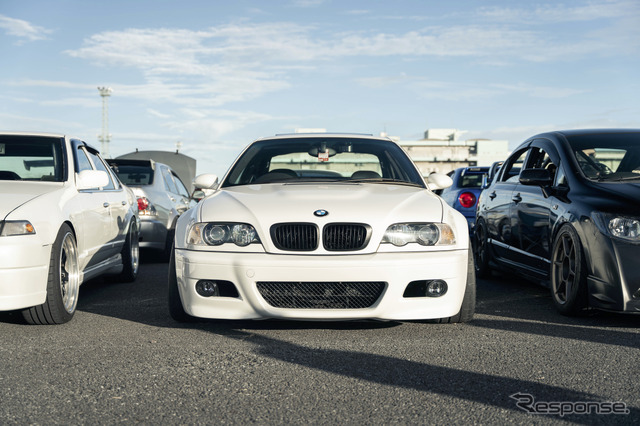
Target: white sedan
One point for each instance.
(64, 218)
(322, 227)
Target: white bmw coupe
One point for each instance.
(64, 218)
(322, 227)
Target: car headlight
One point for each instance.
(16, 227)
(623, 227)
(426, 234)
(215, 234)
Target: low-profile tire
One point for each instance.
(568, 273)
(468, 307)
(175, 302)
(481, 252)
(130, 254)
(63, 283)
(168, 244)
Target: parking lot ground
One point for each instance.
(122, 359)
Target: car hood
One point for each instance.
(623, 196)
(265, 205)
(14, 194)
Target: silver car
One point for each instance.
(162, 197)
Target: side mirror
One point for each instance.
(206, 181)
(91, 179)
(437, 181)
(536, 177)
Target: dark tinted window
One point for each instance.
(135, 175)
(31, 158)
(472, 180)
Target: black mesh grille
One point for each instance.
(345, 236)
(321, 295)
(295, 236)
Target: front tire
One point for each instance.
(175, 302)
(63, 283)
(568, 272)
(468, 307)
(481, 250)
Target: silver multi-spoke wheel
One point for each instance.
(69, 275)
(63, 282)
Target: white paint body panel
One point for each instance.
(100, 231)
(378, 205)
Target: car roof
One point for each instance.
(22, 133)
(575, 132)
(324, 136)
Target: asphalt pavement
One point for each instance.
(123, 360)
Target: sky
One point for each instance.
(215, 75)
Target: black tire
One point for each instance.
(175, 302)
(568, 273)
(130, 254)
(63, 283)
(481, 252)
(468, 307)
(168, 244)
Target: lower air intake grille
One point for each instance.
(321, 295)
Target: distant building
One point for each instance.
(441, 151)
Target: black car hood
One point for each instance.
(615, 197)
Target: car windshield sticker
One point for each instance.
(323, 156)
(1, 149)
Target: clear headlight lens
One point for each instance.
(623, 227)
(16, 227)
(426, 234)
(215, 234)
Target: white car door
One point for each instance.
(93, 217)
(116, 203)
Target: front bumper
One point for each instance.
(614, 283)
(24, 269)
(244, 270)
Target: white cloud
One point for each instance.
(561, 12)
(23, 30)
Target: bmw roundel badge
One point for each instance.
(320, 213)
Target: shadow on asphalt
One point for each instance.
(502, 305)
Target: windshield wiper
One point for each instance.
(628, 178)
(384, 180)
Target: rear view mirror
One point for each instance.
(536, 177)
(438, 181)
(206, 181)
(92, 179)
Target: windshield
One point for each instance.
(34, 158)
(323, 159)
(608, 156)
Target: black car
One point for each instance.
(564, 209)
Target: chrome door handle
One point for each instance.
(493, 195)
(105, 204)
(517, 198)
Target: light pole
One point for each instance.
(105, 137)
